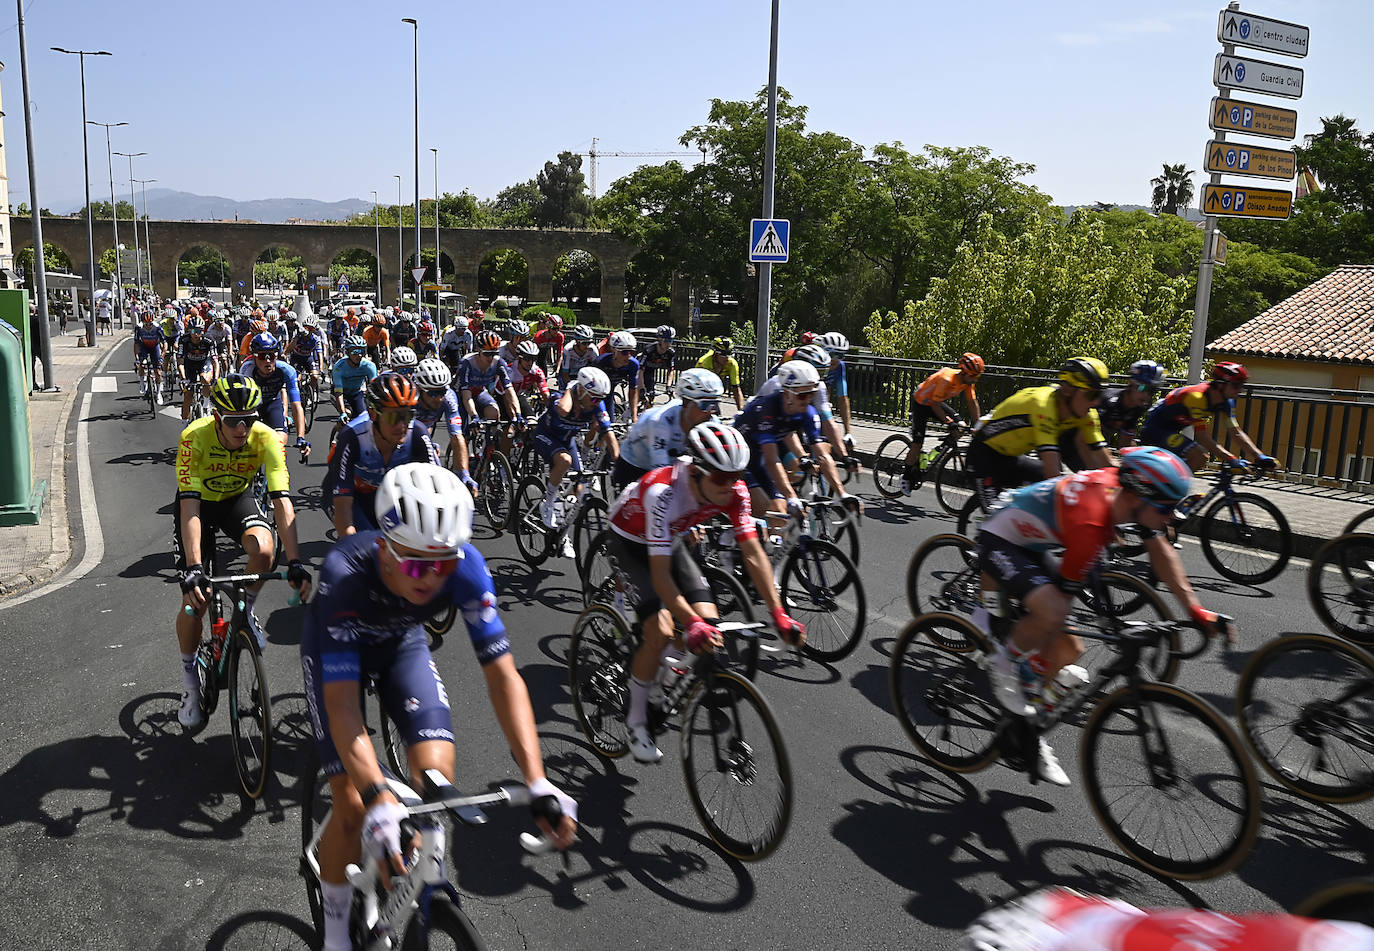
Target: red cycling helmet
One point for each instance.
(806, 338)
(1228, 372)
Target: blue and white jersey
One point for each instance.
(763, 422)
(836, 380)
(494, 379)
(656, 439)
(821, 400)
(447, 410)
(149, 337)
(629, 373)
(282, 378)
(562, 429)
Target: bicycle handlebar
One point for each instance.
(442, 796)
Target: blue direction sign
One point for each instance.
(769, 240)
(240, 283)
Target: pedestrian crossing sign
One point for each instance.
(768, 240)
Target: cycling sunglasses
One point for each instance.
(266, 356)
(708, 406)
(233, 421)
(718, 478)
(437, 391)
(417, 568)
(395, 417)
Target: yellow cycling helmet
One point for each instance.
(1086, 373)
(233, 393)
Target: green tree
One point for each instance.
(1343, 159)
(1171, 190)
(1056, 290)
(514, 206)
(101, 209)
(563, 200)
(462, 210)
(503, 273)
(54, 259)
(576, 277)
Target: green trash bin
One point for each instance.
(21, 500)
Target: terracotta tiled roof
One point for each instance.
(1331, 321)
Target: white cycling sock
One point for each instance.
(550, 493)
(188, 671)
(338, 900)
(639, 703)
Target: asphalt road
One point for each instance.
(117, 831)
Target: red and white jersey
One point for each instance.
(660, 506)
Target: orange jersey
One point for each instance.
(941, 387)
(375, 336)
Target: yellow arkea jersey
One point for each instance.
(730, 375)
(1029, 420)
(208, 471)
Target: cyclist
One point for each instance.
(660, 434)
(376, 591)
(528, 380)
(456, 343)
(577, 354)
(280, 390)
(551, 342)
(1195, 406)
(778, 418)
(621, 366)
(658, 357)
(482, 373)
(148, 341)
(339, 328)
(930, 400)
(1032, 420)
(837, 382)
(663, 581)
(1121, 410)
(423, 344)
(438, 402)
(378, 340)
(516, 331)
(403, 360)
(403, 329)
(719, 361)
(1079, 513)
(815, 355)
(219, 334)
(386, 436)
(350, 375)
(172, 327)
(197, 361)
(555, 436)
(305, 352)
(217, 458)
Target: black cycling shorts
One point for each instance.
(1005, 472)
(636, 579)
(1018, 571)
(230, 517)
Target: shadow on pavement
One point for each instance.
(262, 929)
(1304, 845)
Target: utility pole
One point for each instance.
(769, 169)
(39, 264)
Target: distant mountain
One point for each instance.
(166, 204)
(1190, 213)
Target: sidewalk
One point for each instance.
(32, 554)
(1315, 513)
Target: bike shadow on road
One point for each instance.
(678, 864)
(263, 929)
(970, 858)
(517, 580)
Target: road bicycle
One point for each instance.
(1340, 586)
(229, 658)
(947, 469)
(200, 406)
(310, 398)
(944, 574)
(581, 517)
(421, 908)
(734, 760)
(1306, 709)
(1350, 899)
(1165, 774)
(491, 470)
(147, 390)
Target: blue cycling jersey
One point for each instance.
(835, 379)
(149, 337)
(629, 373)
(272, 385)
(655, 438)
(494, 379)
(349, 379)
(763, 421)
(560, 429)
(447, 410)
(353, 610)
(356, 465)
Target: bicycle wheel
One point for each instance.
(527, 524)
(941, 695)
(393, 743)
(309, 402)
(970, 517)
(1105, 607)
(889, 462)
(953, 481)
(1350, 899)
(317, 799)
(593, 518)
(440, 624)
(498, 491)
(448, 927)
(599, 658)
(822, 589)
(738, 774)
(734, 604)
(1360, 523)
(943, 576)
(250, 713)
(1246, 538)
(1340, 586)
(1306, 709)
(1170, 782)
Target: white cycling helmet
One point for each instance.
(403, 357)
(517, 328)
(818, 357)
(834, 342)
(432, 373)
(425, 507)
(527, 348)
(624, 340)
(461, 324)
(581, 333)
(699, 383)
(719, 446)
(798, 375)
(594, 381)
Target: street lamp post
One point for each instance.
(438, 270)
(133, 203)
(147, 236)
(415, 59)
(377, 233)
(770, 149)
(86, 164)
(40, 265)
(114, 214)
(400, 254)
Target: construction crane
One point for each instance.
(594, 155)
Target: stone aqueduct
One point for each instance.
(317, 245)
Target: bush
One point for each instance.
(661, 305)
(536, 312)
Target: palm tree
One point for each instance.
(1172, 190)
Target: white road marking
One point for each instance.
(104, 384)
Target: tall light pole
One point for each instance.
(147, 237)
(415, 24)
(114, 213)
(40, 265)
(400, 254)
(377, 233)
(769, 169)
(86, 164)
(438, 271)
(133, 203)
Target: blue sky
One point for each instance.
(300, 98)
